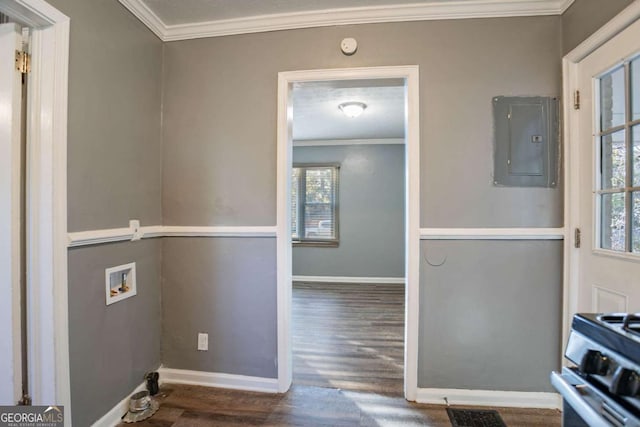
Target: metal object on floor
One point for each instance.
(474, 418)
(141, 407)
(152, 382)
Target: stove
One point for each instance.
(602, 387)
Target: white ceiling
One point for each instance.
(175, 12)
(316, 115)
(187, 19)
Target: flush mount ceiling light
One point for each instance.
(352, 109)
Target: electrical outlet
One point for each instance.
(203, 342)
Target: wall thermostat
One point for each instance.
(349, 46)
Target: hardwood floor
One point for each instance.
(349, 336)
(348, 362)
(195, 406)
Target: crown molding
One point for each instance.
(565, 5)
(345, 16)
(141, 11)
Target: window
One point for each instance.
(618, 186)
(314, 204)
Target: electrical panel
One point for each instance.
(526, 148)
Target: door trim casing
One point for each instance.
(47, 198)
(412, 214)
(11, 170)
(571, 133)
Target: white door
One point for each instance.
(10, 176)
(609, 170)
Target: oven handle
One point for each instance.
(628, 319)
(571, 396)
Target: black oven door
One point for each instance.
(585, 405)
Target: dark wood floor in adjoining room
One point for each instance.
(348, 363)
(349, 336)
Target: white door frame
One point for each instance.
(10, 242)
(572, 137)
(48, 326)
(412, 212)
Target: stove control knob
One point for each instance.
(625, 382)
(594, 363)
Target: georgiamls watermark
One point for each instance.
(31, 416)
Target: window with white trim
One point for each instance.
(618, 153)
(314, 204)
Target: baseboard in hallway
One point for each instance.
(219, 380)
(349, 279)
(115, 414)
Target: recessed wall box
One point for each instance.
(120, 282)
(526, 148)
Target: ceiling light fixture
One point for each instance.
(352, 109)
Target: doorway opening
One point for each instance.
(347, 209)
(320, 226)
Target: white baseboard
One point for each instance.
(214, 379)
(349, 279)
(517, 399)
(114, 416)
(332, 142)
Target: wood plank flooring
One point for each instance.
(305, 406)
(348, 362)
(349, 336)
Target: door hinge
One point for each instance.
(23, 62)
(576, 238)
(576, 100)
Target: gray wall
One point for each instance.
(114, 155)
(220, 160)
(214, 156)
(219, 168)
(490, 315)
(111, 347)
(585, 17)
(371, 213)
(225, 287)
(114, 174)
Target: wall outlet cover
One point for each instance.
(203, 341)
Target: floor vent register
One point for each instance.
(475, 418)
